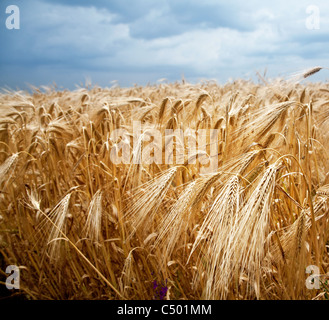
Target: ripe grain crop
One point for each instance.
(81, 226)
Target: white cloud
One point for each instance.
(201, 39)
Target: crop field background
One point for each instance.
(80, 226)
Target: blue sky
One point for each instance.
(142, 41)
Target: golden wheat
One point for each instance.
(87, 227)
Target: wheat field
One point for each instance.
(81, 226)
